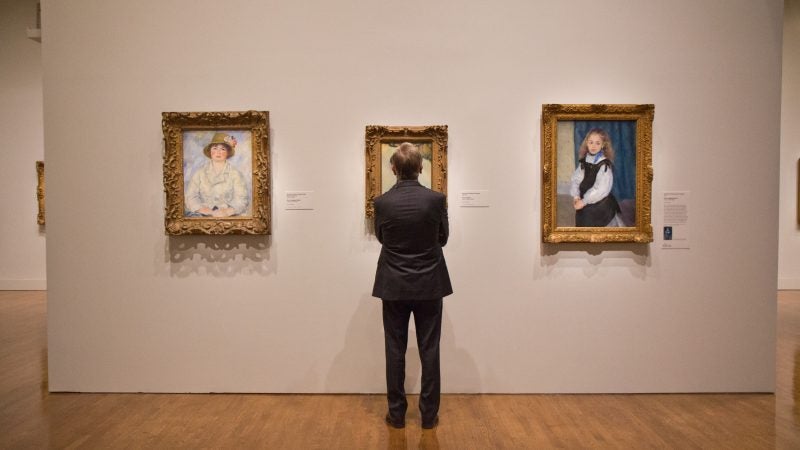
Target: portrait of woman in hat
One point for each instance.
(215, 188)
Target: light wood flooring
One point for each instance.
(30, 417)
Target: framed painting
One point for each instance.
(40, 191)
(597, 173)
(381, 142)
(216, 172)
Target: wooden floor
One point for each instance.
(30, 417)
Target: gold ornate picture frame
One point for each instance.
(217, 172)
(380, 144)
(40, 192)
(597, 173)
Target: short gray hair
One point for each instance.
(407, 161)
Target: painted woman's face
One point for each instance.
(594, 143)
(218, 153)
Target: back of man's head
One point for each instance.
(407, 161)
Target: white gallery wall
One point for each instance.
(22, 241)
(130, 309)
(789, 234)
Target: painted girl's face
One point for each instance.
(594, 143)
(218, 153)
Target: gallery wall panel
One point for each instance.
(131, 309)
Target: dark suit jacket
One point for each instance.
(411, 223)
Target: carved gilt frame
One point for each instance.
(174, 125)
(40, 191)
(642, 230)
(378, 134)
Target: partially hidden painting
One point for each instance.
(381, 142)
(40, 192)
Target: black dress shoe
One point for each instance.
(395, 423)
(428, 424)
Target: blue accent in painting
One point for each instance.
(623, 139)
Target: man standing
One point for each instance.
(412, 277)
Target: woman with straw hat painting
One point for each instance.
(217, 189)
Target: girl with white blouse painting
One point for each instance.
(595, 205)
(217, 189)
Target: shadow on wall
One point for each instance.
(459, 371)
(592, 257)
(229, 255)
(360, 366)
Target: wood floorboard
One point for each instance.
(30, 417)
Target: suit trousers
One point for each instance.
(428, 322)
